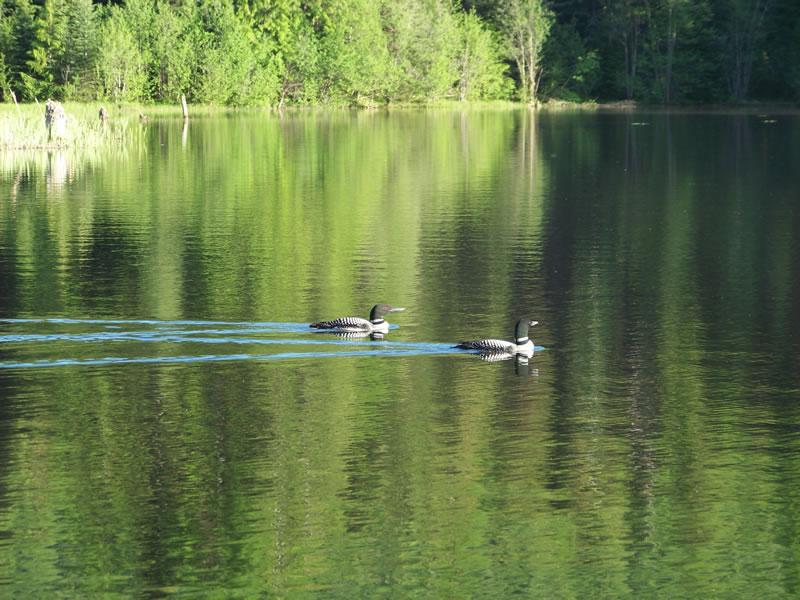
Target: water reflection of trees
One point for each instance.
(619, 462)
(666, 268)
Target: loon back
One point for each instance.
(354, 324)
(489, 346)
(376, 322)
(522, 344)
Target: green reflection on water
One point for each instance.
(653, 452)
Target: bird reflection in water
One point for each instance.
(522, 363)
(375, 336)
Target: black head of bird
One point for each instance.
(379, 310)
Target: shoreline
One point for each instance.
(22, 126)
(155, 110)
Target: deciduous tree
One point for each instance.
(525, 25)
(481, 72)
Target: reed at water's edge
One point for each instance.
(23, 127)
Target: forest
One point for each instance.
(377, 52)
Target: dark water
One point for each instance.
(168, 424)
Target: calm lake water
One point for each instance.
(169, 424)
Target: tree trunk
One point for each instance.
(523, 77)
(672, 36)
(628, 90)
(634, 56)
(742, 44)
(464, 83)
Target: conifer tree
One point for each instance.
(19, 33)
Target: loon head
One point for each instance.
(379, 310)
(521, 332)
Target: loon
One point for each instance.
(375, 324)
(522, 344)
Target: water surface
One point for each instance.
(168, 423)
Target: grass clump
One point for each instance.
(23, 128)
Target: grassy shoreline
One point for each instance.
(22, 127)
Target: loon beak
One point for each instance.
(398, 309)
(532, 323)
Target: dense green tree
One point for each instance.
(355, 62)
(743, 33)
(690, 56)
(286, 37)
(526, 25)
(19, 35)
(625, 21)
(225, 58)
(170, 51)
(792, 52)
(776, 68)
(366, 52)
(423, 40)
(78, 56)
(3, 77)
(573, 70)
(481, 72)
(46, 74)
(122, 67)
(5, 35)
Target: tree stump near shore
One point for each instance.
(55, 119)
(103, 114)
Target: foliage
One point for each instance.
(78, 56)
(226, 61)
(481, 72)
(356, 64)
(169, 49)
(525, 25)
(367, 52)
(3, 76)
(422, 39)
(121, 65)
(573, 70)
(776, 69)
(19, 27)
(744, 32)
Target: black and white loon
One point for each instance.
(522, 344)
(375, 324)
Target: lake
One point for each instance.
(170, 425)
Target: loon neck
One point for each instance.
(378, 321)
(521, 330)
(377, 312)
(522, 341)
